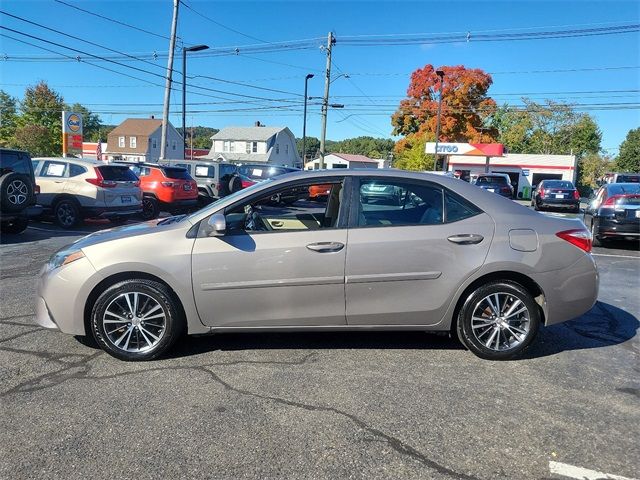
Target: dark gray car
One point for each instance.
(447, 257)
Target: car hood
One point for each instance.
(127, 231)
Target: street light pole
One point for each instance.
(440, 74)
(304, 121)
(167, 87)
(195, 48)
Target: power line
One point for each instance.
(221, 24)
(103, 17)
(248, 85)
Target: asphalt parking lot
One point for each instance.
(349, 405)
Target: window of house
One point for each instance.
(277, 148)
(173, 145)
(397, 202)
(254, 147)
(286, 148)
(226, 146)
(121, 142)
(154, 143)
(133, 141)
(247, 146)
(288, 209)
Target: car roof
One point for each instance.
(78, 161)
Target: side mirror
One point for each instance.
(218, 225)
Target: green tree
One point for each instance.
(91, 123)
(201, 136)
(8, 119)
(413, 157)
(312, 146)
(629, 157)
(514, 128)
(364, 146)
(584, 136)
(41, 107)
(591, 168)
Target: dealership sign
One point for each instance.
(476, 149)
(71, 133)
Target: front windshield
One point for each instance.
(212, 207)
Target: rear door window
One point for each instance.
(117, 173)
(54, 169)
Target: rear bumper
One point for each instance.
(609, 227)
(559, 202)
(113, 212)
(571, 292)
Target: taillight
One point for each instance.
(167, 184)
(611, 200)
(580, 238)
(506, 190)
(99, 181)
(541, 192)
(576, 195)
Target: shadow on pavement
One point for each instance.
(602, 326)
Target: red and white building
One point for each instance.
(94, 150)
(343, 160)
(467, 161)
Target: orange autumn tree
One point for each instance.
(466, 109)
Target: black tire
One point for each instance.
(235, 184)
(535, 206)
(150, 208)
(66, 213)
(596, 241)
(107, 334)
(15, 226)
(16, 192)
(475, 301)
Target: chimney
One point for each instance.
(258, 124)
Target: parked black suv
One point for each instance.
(17, 191)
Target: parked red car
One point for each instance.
(164, 188)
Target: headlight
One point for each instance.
(64, 257)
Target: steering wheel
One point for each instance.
(253, 222)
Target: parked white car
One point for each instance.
(73, 189)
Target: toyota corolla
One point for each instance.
(445, 256)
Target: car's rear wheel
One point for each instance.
(66, 213)
(17, 225)
(136, 320)
(150, 208)
(499, 320)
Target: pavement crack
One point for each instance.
(18, 335)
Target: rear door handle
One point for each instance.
(466, 238)
(326, 247)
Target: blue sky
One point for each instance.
(378, 75)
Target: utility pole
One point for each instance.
(304, 120)
(325, 102)
(440, 74)
(167, 88)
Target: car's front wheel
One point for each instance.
(499, 320)
(137, 319)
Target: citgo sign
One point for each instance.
(476, 149)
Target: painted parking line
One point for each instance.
(571, 471)
(613, 255)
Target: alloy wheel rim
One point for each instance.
(147, 209)
(500, 321)
(17, 192)
(134, 322)
(65, 214)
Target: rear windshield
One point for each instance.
(558, 184)
(117, 173)
(628, 179)
(486, 180)
(176, 172)
(206, 171)
(623, 188)
(259, 172)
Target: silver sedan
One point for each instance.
(440, 255)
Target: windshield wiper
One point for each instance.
(174, 219)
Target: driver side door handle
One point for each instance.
(466, 238)
(326, 247)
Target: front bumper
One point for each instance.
(113, 212)
(62, 294)
(29, 212)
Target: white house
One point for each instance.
(138, 140)
(257, 144)
(344, 160)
